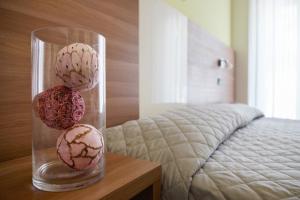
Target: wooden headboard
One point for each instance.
(117, 20)
(207, 82)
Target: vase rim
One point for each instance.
(64, 35)
(66, 28)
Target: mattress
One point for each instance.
(221, 151)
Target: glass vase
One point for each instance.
(68, 101)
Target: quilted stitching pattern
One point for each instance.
(260, 161)
(181, 140)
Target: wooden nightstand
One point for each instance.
(125, 178)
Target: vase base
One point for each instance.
(56, 177)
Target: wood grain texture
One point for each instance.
(156, 190)
(125, 177)
(203, 72)
(116, 20)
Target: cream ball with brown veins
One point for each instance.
(80, 147)
(77, 66)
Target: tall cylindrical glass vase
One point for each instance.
(68, 101)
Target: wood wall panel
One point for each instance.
(204, 51)
(116, 20)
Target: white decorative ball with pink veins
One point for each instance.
(77, 66)
(80, 147)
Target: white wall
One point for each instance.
(162, 57)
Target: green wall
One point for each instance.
(213, 15)
(239, 42)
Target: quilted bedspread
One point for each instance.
(259, 161)
(183, 141)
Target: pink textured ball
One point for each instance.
(60, 107)
(77, 66)
(80, 147)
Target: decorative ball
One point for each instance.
(60, 107)
(77, 66)
(80, 147)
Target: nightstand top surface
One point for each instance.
(124, 177)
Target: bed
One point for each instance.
(216, 151)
